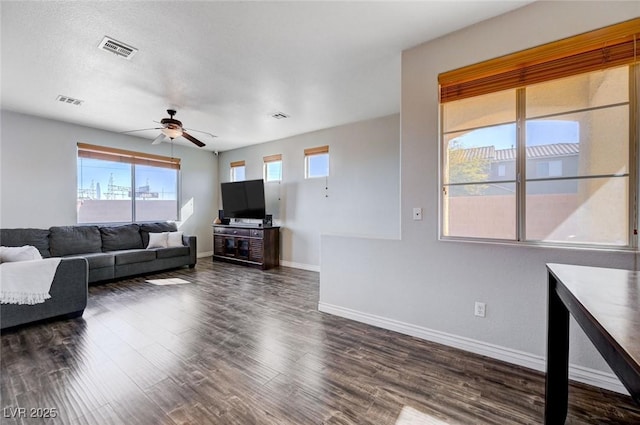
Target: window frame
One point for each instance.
(89, 151)
(270, 159)
(234, 166)
(310, 152)
(550, 52)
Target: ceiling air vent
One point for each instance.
(117, 47)
(280, 115)
(69, 100)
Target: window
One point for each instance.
(273, 168)
(548, 169)
(502, 170)
(237, 171)
(316, 162)
(542, 152)
(105, 182)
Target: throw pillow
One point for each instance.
(174, 239)
(158, 240)
(10, 254)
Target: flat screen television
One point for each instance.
(244, 199)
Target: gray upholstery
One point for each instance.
(68, 297)
(177, 251)
(69, 240)
(20, 237)
(97, 260)
(121, 237)
(111, 251)
(133, 256)
(101, 274)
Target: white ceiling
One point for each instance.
(225, 66)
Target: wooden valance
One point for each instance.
(273, 158)
(316, 151)
(608, 47)
(86, 150)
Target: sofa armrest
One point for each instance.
(191, 242)
(68, 292)
(70, 283)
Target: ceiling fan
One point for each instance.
(172, 128)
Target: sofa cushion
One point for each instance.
(146, 228)
(172, 252)
(97, 260)
(20, 237)
(115, 238)
(68, 240)
(134, 256)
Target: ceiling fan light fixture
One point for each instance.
(172, 133)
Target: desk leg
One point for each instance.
(557, 380)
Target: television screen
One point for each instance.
(244, 199)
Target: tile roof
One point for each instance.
(540, 151)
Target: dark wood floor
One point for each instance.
(243, 346)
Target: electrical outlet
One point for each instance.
(417, 213)
(480, 309)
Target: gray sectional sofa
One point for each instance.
(92, 254)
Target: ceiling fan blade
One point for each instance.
(200, 131)
(142, 129)
(192, 139)
(158, 139)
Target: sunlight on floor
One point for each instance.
(410, 416)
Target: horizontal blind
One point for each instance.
(316, 151)
(608, 47)
(237, 164)
(273, 158)
(86, 150)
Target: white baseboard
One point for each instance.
(204, 254)
(577, 373)
(302, 266)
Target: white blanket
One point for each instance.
(27, 282)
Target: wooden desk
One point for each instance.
(606, 304)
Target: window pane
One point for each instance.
(480, 211)
(317, 165)
(582, 91)
(587, 143)
(479, 155)
(579, 211)
(273, 171)
(489, 109)
(156, 193)
(104, 191)
(237, 174)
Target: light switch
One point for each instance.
(417, 213)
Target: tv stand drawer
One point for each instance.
(233, 231)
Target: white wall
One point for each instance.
(363, 192)
(38, 174)
(425, 287)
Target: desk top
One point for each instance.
(608, 297)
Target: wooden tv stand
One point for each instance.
(250, 246)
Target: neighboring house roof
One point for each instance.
(541, 151)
